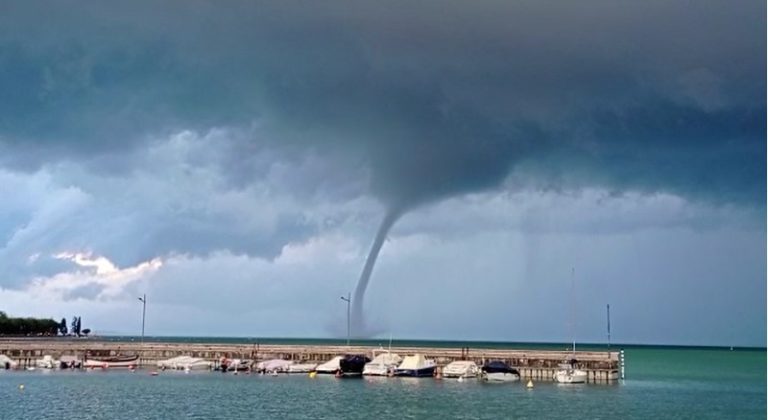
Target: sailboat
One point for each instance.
(568, 373)
(384, 362)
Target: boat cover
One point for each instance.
(387, 359)
(498, 366)
(274, 364)
(415, 362)
(330, 366)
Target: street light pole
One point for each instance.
(347, 299)
(143, 315)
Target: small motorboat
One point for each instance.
(234, 365)
(498, 371)
(461, 369)
(7, 363)
(185, 363)
(302, 367)
(47, 362)
(416, 366)
(112, 362)
(70, 362)
(274, 366)
(353, 364)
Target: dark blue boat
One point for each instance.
(498, 366)
(416, 366)
(353, 364)
(498, 371)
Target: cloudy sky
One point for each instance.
(537, 160)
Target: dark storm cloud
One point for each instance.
(439, 98)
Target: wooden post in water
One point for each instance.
(621, 363)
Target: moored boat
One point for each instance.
(234, 365)
(416, 366)
(353, 364)
(112, 362)
(185, 363)
(330, 367)
(382, 364)
(461, 369)
(7, 363)
(47, 362)
(274, 366)
(498, 371)
(568, 373)
(69, 362)
(302, 367)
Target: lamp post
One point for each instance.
(143, 300)
(347, 299)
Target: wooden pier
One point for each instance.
(538, 365)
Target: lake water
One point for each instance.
(661, 383)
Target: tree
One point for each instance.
(27, 326)
(76, 326)
(63, 326)
(86, 331)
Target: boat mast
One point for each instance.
(608, 314)
(573, 310)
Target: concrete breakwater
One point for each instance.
(601, 366)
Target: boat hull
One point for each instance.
(375, 369)
(302, 368)
(112, 362)
(353, 365)
(416, 373)
(576, 376)
(501, 377)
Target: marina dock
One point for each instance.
(538, 365)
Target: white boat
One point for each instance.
(331, 366)
(382, 364)
(302, 367)
(461, 369)
(416, 366)
(47, 362)
(498, 371)
(112, 362)
(569, 374)
(185, 363)
(7, 363)
(274, 365)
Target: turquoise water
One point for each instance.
(661, 383)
